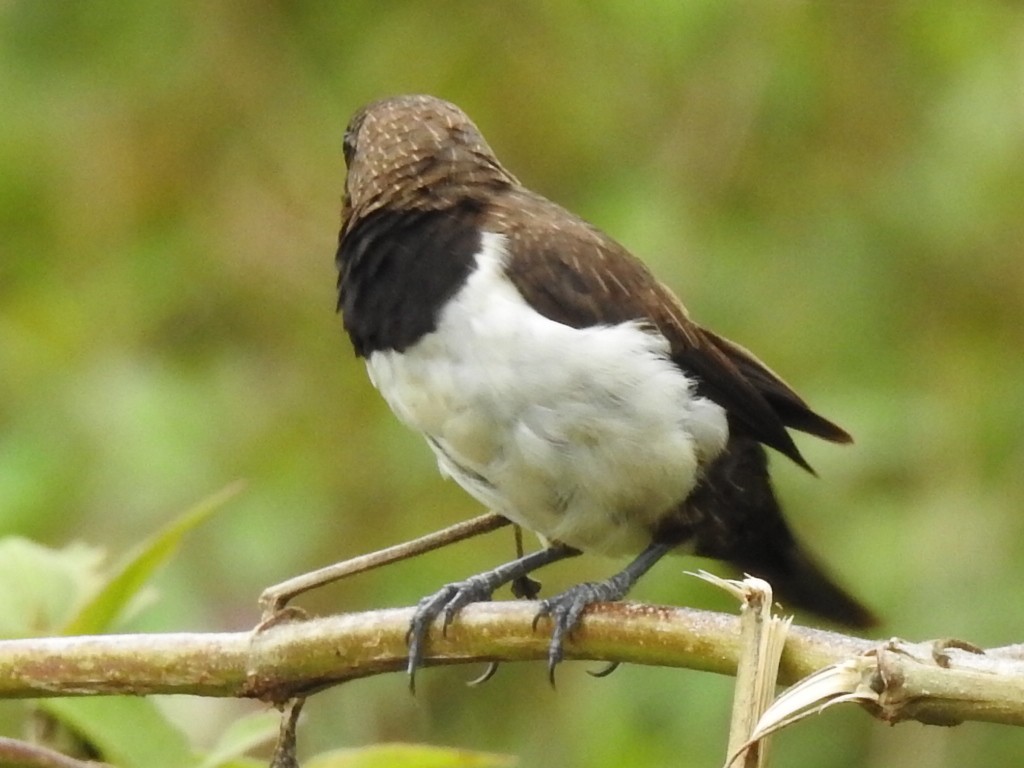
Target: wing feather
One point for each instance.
(572, 273)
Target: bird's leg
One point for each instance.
(452, 597)
(566, 609)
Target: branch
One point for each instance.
(299, 658)
(275, 598)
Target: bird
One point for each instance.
(556, 379)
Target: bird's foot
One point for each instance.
(446, 602)
(453, 597)
(566, 609)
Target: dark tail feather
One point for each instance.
(799, 582)
(733, 515)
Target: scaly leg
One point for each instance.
(567, 608)
(452, 597)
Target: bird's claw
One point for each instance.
(604, 671)
(446, 602)
(565, 611)
(488, 673)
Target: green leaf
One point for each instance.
(127, 732)
(124, 585)
(409, 756)
(241, 736)
(40, 588)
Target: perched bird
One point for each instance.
(555, 378)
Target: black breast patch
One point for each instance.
(397, 269)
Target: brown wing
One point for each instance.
(791, 408)
(574, 274)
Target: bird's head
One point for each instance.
(415, 152)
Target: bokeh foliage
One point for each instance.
(837, 185)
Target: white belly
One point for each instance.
(585, 436)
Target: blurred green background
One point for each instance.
(838, 186)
